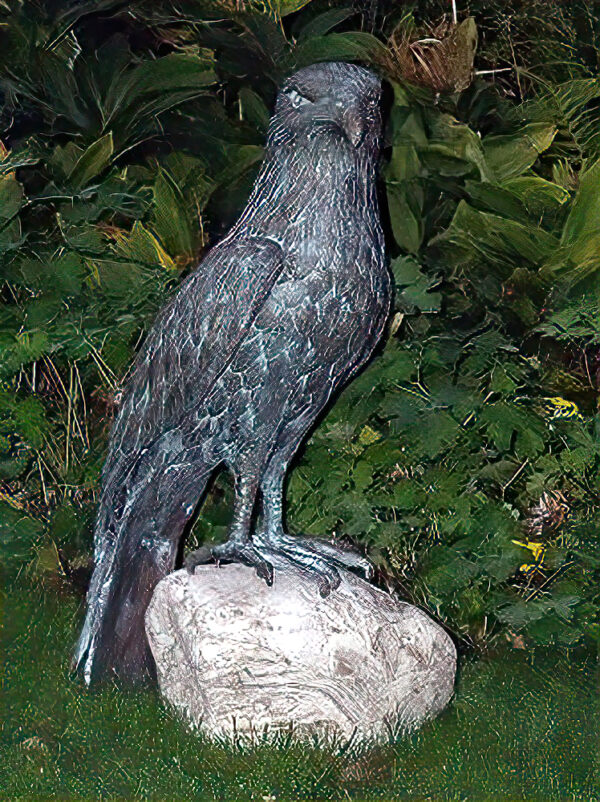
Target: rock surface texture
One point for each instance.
(235, 656)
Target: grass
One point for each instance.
(523, 726)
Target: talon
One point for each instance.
(315, 556)
(309, 560)
(329, 583)
(233, 552)
(334, 581)
(265, 571)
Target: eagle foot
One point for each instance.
(343, 557)
(314, 556)
(231, 552)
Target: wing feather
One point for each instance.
(191, 343)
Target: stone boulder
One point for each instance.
(235, 656)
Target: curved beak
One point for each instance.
(353, 126)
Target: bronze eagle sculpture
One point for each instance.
(238, 365)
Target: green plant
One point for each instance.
(132, 136)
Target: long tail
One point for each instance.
(133, 554)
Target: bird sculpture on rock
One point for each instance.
(239, 364)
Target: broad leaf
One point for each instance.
(537, 194)
(339, 47)
(323, 23)
(582, 228)
(171, 217)
(11, 197)
(404, 204)
(92, 162)
(510, 155)
(285, 7)
(490, 237)
(253, 109)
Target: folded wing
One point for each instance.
(189, 347)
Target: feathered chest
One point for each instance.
(334, 278)
(324, 215)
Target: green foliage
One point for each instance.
(132, 136)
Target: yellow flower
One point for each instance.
(368, 436)
(561, 408)
(536, 549)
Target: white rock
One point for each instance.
(235, 656)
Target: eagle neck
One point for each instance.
(290, 180)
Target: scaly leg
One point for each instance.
(311, 554)
(238, 547)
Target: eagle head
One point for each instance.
(328, 100)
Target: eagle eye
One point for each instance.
(297, 99)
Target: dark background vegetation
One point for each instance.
(464, 459)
